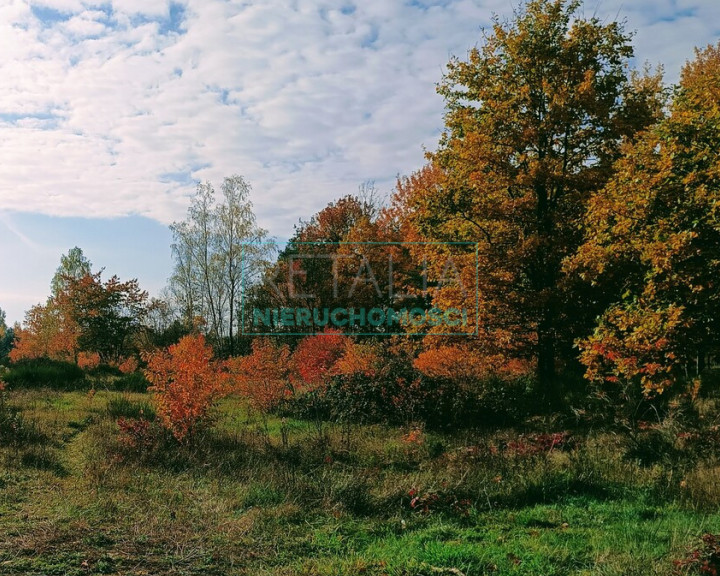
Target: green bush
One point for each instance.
(103, 370)
(402, 397)
(15, 429)
(133, 382)
(41, 372)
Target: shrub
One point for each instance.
(137, 435)
(128, 365)
(123, 407)
(704, 559)
(186, 382)
(262, 377)
(88, 360)
(314, 359)
(104, 370)
(45, 372)
(133, 382)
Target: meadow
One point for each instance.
(85, 490)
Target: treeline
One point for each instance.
(570, 215)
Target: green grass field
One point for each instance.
(287, 498)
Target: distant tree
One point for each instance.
(47, 332)
(339, 258)
(162, 325)
(108, 314)
(73, 265)
(218, 250)
(7, 337)
(83, 314)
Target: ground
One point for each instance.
(286, 498)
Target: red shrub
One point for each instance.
(703, 560)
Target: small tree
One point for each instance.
(653, 242)
(107, 313)
(262, 377)
(48, 332)
(186, 382)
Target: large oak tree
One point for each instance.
(535, 121)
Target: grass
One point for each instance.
(239, 500)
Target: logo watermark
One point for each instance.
(366, 288)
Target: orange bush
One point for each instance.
(314, 359)
(360, 358)
(88, 360)
(452, 363)
(262, 377)
(128, 365)
(186, 382)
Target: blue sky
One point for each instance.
(110, 110)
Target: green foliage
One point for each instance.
(7, 339)
(107, 313)
(41, 372)
(133, 382)
(73, 266)
(15, 429)
(124, 407)
(536, 501)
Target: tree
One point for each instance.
(262, 377)
(653, 236)
(83, 314)
(108, 314)
(73, 266)
(218, 250)
(47, 332)
(305, 271)
(162, 325)
(186, 382)
(535, 120)
(7, 336)
(343, 257)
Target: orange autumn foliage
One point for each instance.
(186, 382)
(314, 359)
(128, 365)
(360, 358)
(653, 234)
(262, 377)
(48, 332)
(88, 360)
(461, 364)
(453, 363)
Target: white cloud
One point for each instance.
(113, 112)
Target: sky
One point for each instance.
(111, 111)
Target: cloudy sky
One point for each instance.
(111, 111)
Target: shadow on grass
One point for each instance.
(43, 459)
